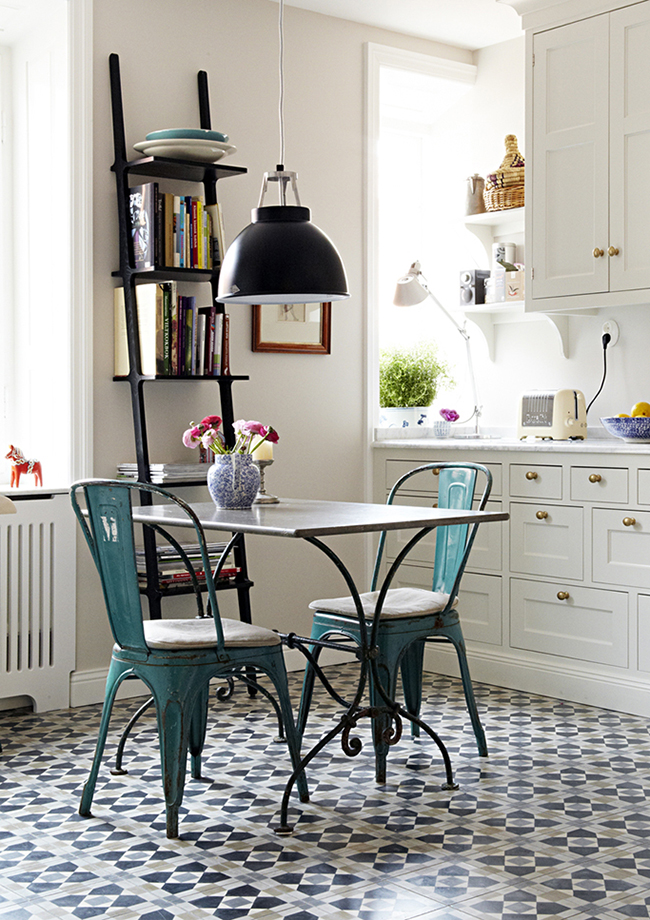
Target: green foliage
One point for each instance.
(411, 376)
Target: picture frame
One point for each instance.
(303, 328)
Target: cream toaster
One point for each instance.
(557, 414)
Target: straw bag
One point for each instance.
(504, 188)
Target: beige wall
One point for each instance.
(316, 403)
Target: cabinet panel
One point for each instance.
(546, 540)
(486, 552)
(643, 487)
(643, 632)
(598, 484)
(570, 159)
(590, 624)
(480, 605)
(535, 481)
(427, 483)
(621, 551)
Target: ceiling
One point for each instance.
(465, 23)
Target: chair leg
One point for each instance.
(457, 638)
(317, 632)
(411, 668)
(198, 727)
(275, 668)
(116, 672)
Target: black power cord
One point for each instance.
(606, 340)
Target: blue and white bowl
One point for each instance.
(635, 430)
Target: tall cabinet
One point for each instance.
(588, 118)
(206, 175)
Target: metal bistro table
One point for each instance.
(310, 521)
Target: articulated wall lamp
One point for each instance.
(411, 290)
(281, 257)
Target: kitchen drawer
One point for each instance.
(643, 485)
(599, 484)
(529, 480)
(546, 540)
(621, 551)
(427, 483)
(590, 624)
(643, 632)
(486, 552)
(480, 601)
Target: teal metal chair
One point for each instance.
(411, 616)
(176, 659)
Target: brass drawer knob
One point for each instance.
(531, 474)
(598, 252)
(541, 515)
(595, 477)
(436, 471)
(629, 521)
(563, 595)
(612, 251)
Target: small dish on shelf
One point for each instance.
(186, 149)
(183, 133)
(634, 430)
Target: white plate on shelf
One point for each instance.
(200, 133)
(186, 149)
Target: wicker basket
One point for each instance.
(500, 199)
(504, 188)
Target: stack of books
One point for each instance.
(172, 569)
(162, 473)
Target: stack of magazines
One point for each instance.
(161, 473)
(172, 569)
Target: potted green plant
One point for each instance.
(409, 380)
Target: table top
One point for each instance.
(292, 517)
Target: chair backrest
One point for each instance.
(456, 489)
(107, 525)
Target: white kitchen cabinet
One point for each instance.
(588, 136)
(555, 601)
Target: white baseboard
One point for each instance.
(559, 679)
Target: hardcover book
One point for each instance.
(143, 211)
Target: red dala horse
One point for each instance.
(19, 465)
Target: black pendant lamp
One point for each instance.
(281, 257)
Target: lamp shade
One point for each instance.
(410, 291)
(281, 257)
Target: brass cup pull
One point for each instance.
(436, 471)
(612, 251)
(563, 595)
(629, 521)
(531, 474)
(595, 477)
(598, 252)
(541, 515)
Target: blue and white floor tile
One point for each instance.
(555, 823)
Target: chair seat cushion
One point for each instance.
(201, 633)
(399, 602)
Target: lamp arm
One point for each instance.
(470, 364)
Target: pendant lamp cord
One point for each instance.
(281, 102)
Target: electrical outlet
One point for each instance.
(610, 327)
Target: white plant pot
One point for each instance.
(409, 417)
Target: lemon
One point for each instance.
(622, 415)
(640, 408)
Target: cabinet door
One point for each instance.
(570, 157)
(546, 540)
(621, 547)
(630, 148)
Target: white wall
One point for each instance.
(315, 402)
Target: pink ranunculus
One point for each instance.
(449, 415)
(270, 434)
(211, 421)
(208, 437)
(191, 437)
(245, 428)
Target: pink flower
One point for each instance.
(208, 438)
(243, 428)
(449, 415)
(192, 437)
(211, 421)
(270, 434)
(207, 433)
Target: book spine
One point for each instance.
(217, 239)
(194, 261)
(169, 229)
(160, 330)
(120, 340)
(177, 231)
(200, 343)
(173, 302)
(167, 329)
(158, 241)
(143, 225)
(189, 336)
(218, 344)
(209, 341)
(225, 348)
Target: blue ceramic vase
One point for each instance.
(233, 481)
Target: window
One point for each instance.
(415, 196)
(44, 368)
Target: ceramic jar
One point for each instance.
(233, 481)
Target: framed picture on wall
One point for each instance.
(304, 328)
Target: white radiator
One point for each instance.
(37, 599)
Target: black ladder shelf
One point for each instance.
(186, 170)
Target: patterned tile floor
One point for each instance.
(555, 823)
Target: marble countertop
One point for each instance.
(399, 439)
